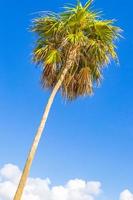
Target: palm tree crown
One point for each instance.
(81, 28)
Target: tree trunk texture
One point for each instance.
(25, 173)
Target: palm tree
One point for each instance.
(72, 48)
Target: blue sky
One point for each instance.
(90, 138)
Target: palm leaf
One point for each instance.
(77, 27)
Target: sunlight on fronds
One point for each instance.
(77, 27)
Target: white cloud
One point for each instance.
(126, 195)
(40, 189)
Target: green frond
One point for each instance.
(81, 28)
(88, 4)
(105, 31)
(46, 26)
(76, 38)
(40, 53)
(53, 56)
(78, 16)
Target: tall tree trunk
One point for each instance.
(22, 183)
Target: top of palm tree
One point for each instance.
(77, 27)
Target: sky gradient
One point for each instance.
(90, 138)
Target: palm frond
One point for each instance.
(88, 4)
(81, 28)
